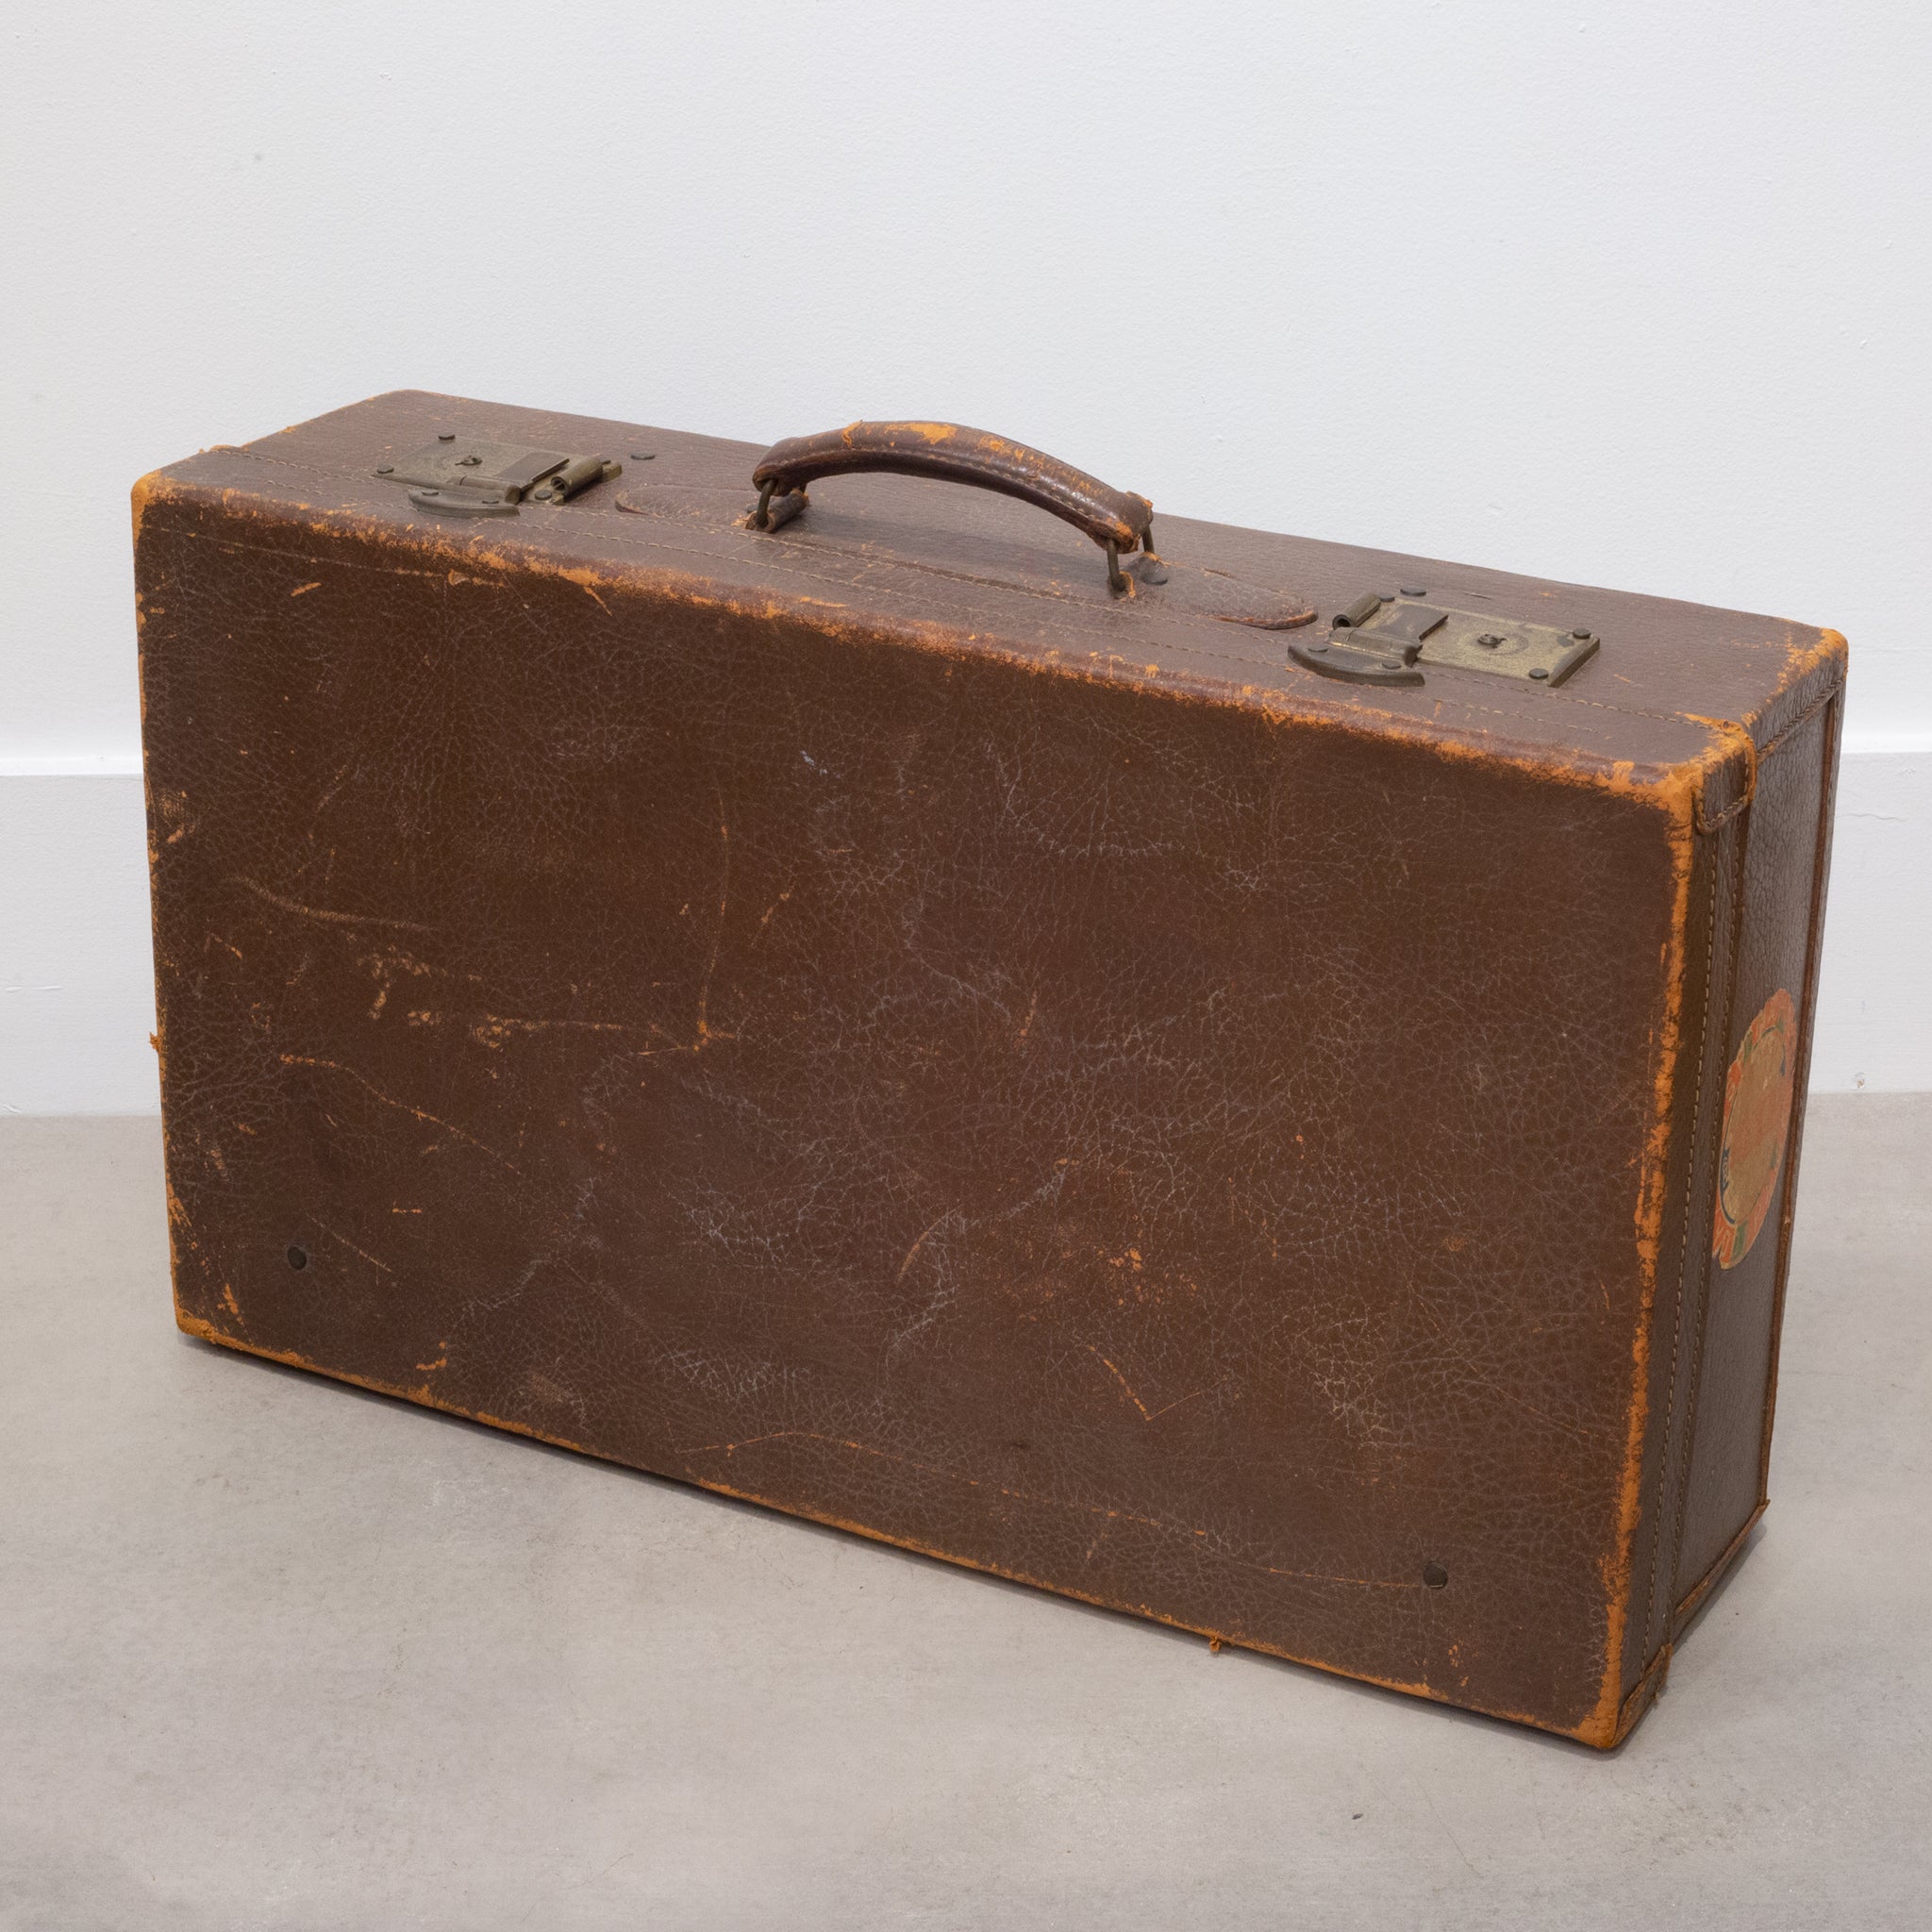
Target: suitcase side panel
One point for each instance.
(1763, 1059)
(1190, 1160)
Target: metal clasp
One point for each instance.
(1382, 637)
(462, 477)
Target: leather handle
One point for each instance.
(1115, 519)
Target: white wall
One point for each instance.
(1629, 292)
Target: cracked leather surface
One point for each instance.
(856, 1018)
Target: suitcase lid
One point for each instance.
(1640, 691)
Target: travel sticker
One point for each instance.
(1757, 1116)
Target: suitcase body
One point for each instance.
(865, 1015)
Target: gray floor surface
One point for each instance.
(275, 1652)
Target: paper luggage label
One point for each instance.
(1757, 1116)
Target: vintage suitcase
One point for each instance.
(1239, 1079)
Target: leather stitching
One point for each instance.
(1757, 754)
(1798, 724)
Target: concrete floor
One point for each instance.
(274, 1653)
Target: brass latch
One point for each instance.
(1383, 638)
(461, 477)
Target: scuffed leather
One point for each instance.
(926, 1048)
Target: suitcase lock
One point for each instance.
(1382, 637)
(463, 477)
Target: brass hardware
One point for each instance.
(1381, 639)
(468, 477)
(579, 474)
(1353, 667)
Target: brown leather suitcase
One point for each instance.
(1244, 1080)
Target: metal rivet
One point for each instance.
(1391, 664)
(1579, 634)
(1538, 672)
(1435, 1575)
(1415, 593)
(432, 492)
(298, 1258)
(1387, 596)
(450, 437)
(1318, 647)
(1490, 639)
(384, 469)
(643, 455)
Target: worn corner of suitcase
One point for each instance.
(198, 1325)
(1611, 1724)
(202, 1294)
(1813, 650)
(146, 490)
(1606, 1732)
(1620, 1700)
(1702, 791)
(159, 491)
(407, 393)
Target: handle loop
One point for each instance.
(1115, 519)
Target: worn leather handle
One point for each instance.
(1115, 519)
